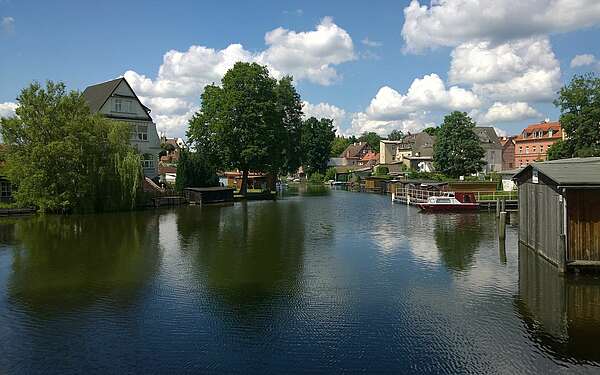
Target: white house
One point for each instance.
(116, 100)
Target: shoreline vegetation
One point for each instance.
(61, 158)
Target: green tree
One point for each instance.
(249, 123)
(381, 170)
(63, 158)
(432, 130)
(290, 110)
(317, 136)
(457, 151)
(579, 104)
(372, 139)
(330, 173)
(194, 170)
(396, 135)
(339, 144)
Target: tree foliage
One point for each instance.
(579, 104)
(317, 136)
(63, 158)
(396, 135)
(457, 151)
(372, 139)
(338, 145)
(195, 170)
(432, 131)
(251, 122)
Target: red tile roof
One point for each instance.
(544, 127)
(370, 156)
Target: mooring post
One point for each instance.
(497, 208)
(503, 208)
(502, 226)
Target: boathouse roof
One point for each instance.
(568, 172)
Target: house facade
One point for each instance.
(508, 152)
(533, 143)
(489, 141)
(116, 100)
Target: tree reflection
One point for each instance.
(457, 237)
(561, 313)
(247, 255)
(68, 262)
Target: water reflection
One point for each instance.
(247, 255)
(561, 313)
(457, 237)
(65, 263)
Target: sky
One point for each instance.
(368, 65)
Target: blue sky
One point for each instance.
(373, 66)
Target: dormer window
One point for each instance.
(550, 133)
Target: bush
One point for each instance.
(381, 170)
(316, 178)
(330, 174)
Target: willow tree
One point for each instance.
(63, 158)
(250, 122)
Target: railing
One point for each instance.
(480, 196)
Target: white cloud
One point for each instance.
(410, 112)
(371, 43)
(308, 55)
(451, 22)
(521, 70)
(181, 78)
(424, 94)
(325, 110)
(583, 60)
(7, 25)
(362, 122)
(7, 109)
(506, 112)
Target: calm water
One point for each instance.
(336, 282)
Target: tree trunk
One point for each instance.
(244, 187)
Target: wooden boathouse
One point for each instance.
(208, 195)
(559, 211)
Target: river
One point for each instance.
(325, 281)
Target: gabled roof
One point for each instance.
(353, 150)
(568, 172)
(486, 134)
(96, 95)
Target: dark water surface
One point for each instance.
(340, 282)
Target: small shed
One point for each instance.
(559, 208)
(205, 195)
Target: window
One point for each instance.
(147, 161)
(142, 132)
(527, 150)
(5, 189)
(122, 105)
(550, 133)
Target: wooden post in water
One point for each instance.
(502, 226)
(503, 208)
(497, 208)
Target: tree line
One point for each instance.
(63, 158)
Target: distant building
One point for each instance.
(116, 100)
(419, 144)
(508, 152)
(489, 141)
(172, 148)
(355, 152)
(533, 143)
(369, 159)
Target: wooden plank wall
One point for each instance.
(583, 209)
(541, 219)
